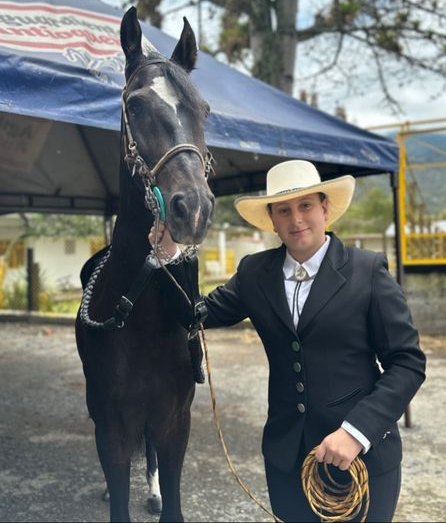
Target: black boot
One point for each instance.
(196, 357)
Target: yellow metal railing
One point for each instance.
(426, 248)
(423, 240)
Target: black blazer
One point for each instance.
(354, 315)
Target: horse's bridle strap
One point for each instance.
(141, 164)
(137, 164)
(172, 152)
(132, 146)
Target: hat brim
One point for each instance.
(254, 209)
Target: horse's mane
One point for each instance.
(185, 90)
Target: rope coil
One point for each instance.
(334, 501)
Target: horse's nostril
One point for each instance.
(179, 206)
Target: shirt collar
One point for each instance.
(311, 266)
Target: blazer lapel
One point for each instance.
(327, 283)
(273, 287)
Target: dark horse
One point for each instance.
(137, 366)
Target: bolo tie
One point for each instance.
(300, 275)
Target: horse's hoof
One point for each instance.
(154, 505)
(105, 495)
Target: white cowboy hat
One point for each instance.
(294, 179)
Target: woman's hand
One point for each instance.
(339, 449)
(164, 240)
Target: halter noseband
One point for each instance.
(154, 200)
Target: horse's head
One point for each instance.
(164, 119)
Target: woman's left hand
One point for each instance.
(339, 449)
(163, 239)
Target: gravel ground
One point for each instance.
(49, 469)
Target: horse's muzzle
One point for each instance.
(190, 215)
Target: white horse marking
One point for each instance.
(197, 217)
(164, 90)
(154, 486)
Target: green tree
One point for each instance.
(346, 42)
(225, 212)
(62, 225)
(371, 213)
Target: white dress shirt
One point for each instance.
(311, 266)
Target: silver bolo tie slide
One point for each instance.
(300, 273)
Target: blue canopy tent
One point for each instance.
(61, 76)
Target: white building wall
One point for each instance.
(57, 267)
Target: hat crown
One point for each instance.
(295, 179)
(291, 175)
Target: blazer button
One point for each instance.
(300, 386)
(301, 408)
(297, 366)
(295, 346)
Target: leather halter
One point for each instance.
(137, 164)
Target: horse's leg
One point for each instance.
(154, 503)
(117, 474)
(171, 451)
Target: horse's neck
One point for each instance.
(130, 236)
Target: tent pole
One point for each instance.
(394, 180)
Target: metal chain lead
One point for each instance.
(158, 251)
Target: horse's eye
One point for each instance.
(207, 109)
(136, 108)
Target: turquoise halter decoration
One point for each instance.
(161, 204)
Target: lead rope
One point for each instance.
(345, 502)
(220, 434)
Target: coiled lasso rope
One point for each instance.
(344, 502)
(333, 501)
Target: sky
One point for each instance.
(366, 110)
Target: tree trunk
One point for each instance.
(286, 34)
(273, 42)
(262, 42)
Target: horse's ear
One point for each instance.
(131, 35)
(185, 53)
